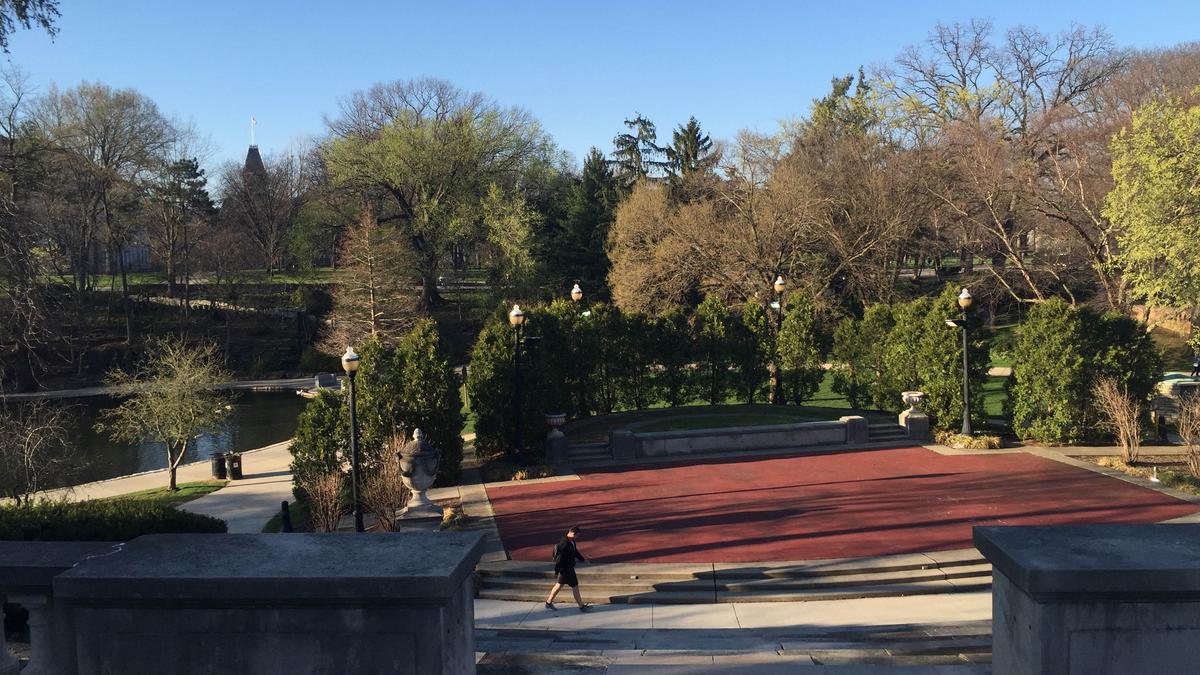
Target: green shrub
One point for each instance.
(800, 352)
(673, 355)
(429, 396)
(751, 341)
(322, 431)
(1059, 354)
(99, 520)
(710, 334)
(490, 388)
(857, 356)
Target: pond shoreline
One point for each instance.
(296, 383)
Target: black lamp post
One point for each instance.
(780, 287)
(350, 365)
(517, 318)
(964, 302)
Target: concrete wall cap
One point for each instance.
(284, 567)
(1120, 562)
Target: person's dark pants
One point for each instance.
(567, 577)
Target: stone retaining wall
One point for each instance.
(627, 444)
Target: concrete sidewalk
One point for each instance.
(950, 608)
(247, 504)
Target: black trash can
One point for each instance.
(233, 462)
(218, 466)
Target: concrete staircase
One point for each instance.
(586, 453)
(886, 433)
(684, 583)
(883, 650)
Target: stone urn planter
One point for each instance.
(914, 421)
(556, 440)
(913, 399)
(419, 463)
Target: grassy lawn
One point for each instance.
(595, 429)
(186, 493)
(994, 396)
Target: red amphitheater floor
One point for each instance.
(836, 505)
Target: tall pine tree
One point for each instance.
(692, 160)
(637, 155)
(584, 256)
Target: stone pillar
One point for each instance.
(857, 429)
(622, 443)
(556, 447)
(1093, 599)
(9, 665)
(41, 635)
(914, 421)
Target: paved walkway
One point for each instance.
(247, 504)
(950, 608)
(84, 392)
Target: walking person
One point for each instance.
(565, 555)
(1196, 364)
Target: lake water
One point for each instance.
(257, 419)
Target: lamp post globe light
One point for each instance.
(964, 303)
(517, 318)
(350, 365)
(577, 293)
(777, 394)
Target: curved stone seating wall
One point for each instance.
(648, 445)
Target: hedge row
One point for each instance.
(607, 360)
(99, 520)
(909, 346)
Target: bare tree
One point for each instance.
(264, 201)
(325, 500)
(374, 294)
(383, 490)
(34, 448)
(1189, 431)
(1121, 414)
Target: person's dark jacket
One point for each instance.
(566, 553)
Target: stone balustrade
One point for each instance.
(1094, 599)
(27, 571)
(295, 603)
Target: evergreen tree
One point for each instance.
(711, 337)
(637, 155)
(800, 352)
(583, 253)
(691, 150)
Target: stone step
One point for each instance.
(603, 595)
(661, 572)
(613, 585)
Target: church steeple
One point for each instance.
(254, 164)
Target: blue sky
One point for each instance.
(579, 67)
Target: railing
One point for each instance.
(27, 571)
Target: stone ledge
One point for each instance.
(1128, 563)
(30, 566)
(274, 567)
